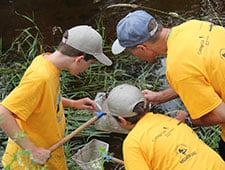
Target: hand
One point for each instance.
(85, 103)
(40, 155)
(161, 96)
(181, 115)
(151, 96)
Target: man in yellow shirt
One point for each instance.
(195, 64)
(32, 114)
(156, 141)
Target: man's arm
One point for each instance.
(161, 96)
(215, 117)
(9, 125)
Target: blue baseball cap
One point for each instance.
(133, 30)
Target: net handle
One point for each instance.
(75, 132)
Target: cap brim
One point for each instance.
(117, 48)
(102, 58)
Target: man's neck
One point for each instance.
(165, 34)
(164, 37)
(161, 45)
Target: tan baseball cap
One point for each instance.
(122, 99)
(84, 38)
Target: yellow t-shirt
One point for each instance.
(195, 66)
(158, 142)
(39, 111)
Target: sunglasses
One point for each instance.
(88, 57)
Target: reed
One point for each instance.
(135, 6)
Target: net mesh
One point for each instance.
(91, 156)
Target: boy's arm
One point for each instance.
(9, 125)
(84, 103)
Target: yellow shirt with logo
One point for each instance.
(158, 142)
(195, 66)
(39, 112)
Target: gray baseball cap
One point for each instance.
(84, 38)
(122, 99)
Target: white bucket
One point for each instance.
(107, 122)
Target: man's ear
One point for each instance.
(141, 46)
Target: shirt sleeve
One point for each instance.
(134, 158)
(198, 96)
(24, 99)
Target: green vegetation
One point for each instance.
(97, 78)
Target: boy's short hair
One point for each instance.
(140, 109)
(67, 49)
(83, 39)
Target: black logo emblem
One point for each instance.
(222, 53)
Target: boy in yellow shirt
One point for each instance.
(156, 141)
(32, 114)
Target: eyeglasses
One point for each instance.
(88, 57)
